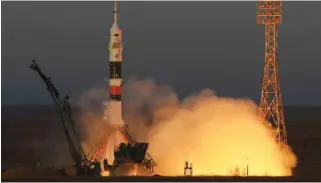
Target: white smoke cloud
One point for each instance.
(216, 134)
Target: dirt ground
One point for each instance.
(34, 134)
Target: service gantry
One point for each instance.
(270, 14)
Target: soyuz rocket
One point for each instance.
(114, 108)
(116, 58)
(115, 82)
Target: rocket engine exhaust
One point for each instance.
(219, 135)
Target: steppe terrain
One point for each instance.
(32, 134)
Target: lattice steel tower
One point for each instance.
(270, 14)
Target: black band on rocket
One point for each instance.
(115, 97)
(115, 70)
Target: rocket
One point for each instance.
(114, 108)
(115, 81)
(116, 58)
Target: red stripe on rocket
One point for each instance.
(115, 90)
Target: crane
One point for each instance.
(76, 151)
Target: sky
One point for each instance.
(187, 45)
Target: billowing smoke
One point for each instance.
(92, 125)
(218, 135)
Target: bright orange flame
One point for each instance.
(105, 173)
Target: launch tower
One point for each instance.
(270, 14)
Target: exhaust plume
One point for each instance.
(218, 135)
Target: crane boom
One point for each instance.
(77, 152)
(68, 110)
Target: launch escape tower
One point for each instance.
(115, 92)
(270, 14)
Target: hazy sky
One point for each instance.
(187, 45)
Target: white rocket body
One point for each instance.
(115, 82)
(114, 107)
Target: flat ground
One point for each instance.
(171, 179)
(33, 134)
